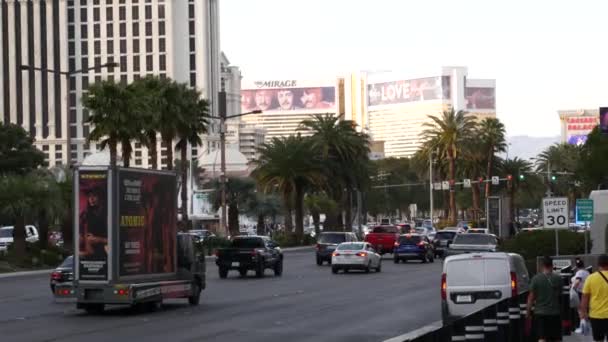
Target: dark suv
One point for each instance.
(442, 241)
(327, 243)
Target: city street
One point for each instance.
(307, 303)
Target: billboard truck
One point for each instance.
(127, 248)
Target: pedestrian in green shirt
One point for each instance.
(545, 294)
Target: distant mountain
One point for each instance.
(526, 147)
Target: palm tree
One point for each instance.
(318, 204)
(492, 135)
(113, 109)
(289, 165)
(473, 167)
(170, 116)
(239, 193)
(194, 113)
(262, 205)
(448, 134)
(560, 158)
(344, 151)
(515, 167)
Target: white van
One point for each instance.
(6, 236)
(471, 282)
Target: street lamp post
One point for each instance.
(223, 117)
(67, 75)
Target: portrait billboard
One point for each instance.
(480, 97)
(92, 225)
(147, 224)
(201, 204)
(286, 96)
(604, 120)
(404, 91)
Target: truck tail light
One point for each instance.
(444, 287)
(56, 275)
(123, 292)
(361, 254)
(513, 284)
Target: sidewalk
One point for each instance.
(577, 338)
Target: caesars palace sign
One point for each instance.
(276, 84)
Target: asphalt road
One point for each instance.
(307, 303)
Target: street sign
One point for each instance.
(445, 185)
(495, 180)
(558, 264)
(584, 210)
(437, 186)
(555, 212)
(466, 183)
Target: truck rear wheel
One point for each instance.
(223, 272)
(259, 269)
(196, 294)
(278, 268)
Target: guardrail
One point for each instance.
(504, 321)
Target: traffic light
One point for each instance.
(522, 176)
(553, 178)
(509, 178)
(509, 181)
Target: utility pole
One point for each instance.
(222, 114)
(431, 183)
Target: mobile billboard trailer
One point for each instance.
(127, 249)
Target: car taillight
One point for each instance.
(335, 254)
(444, 287)
(420, 244)
(361, 254)
(513, 284)
(56, 275)
(396, 244)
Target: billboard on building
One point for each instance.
(604, 120)
(404, 91)
(288, 95)
(147, 224)
(577, 139)
(93, 225)
(480, 97)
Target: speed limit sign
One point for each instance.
(555, 212)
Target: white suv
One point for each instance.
(6, 236)
(471, 282)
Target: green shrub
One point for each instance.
(533, 244)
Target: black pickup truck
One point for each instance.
(255, 253)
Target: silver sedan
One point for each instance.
(355, 256)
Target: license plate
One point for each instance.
(464, 299)
(443, 243)
(236, 264)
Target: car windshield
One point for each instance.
(445, 235)
(385, 230)
(411, 239)
(248, 243)
(6, 233)
(332, 238)
(350, 247)
(68, 262)
(427, 224)
(475, 239)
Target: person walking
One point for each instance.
(544, 295)
(576, 289)
(594, 304)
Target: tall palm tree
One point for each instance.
(492, 135)
(289, 165)
(170, 116)
(473, 167)
(194, 112)
(111, 106)
(448, 133)
(344, 151)
(515, 167)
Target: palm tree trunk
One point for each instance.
(126, 153)
(489, 170)
(299, 209)
(184, 193)
(452, 193)
(476, 199)
(288, 220)
(19, 237)
(152, 150)
(112, 146)
(43, 229)
(349, 209)
(233, 219)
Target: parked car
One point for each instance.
(63, 275)
(327, 243)
(355, 256)
(468, 243)
(442, 241)
(413, 246)
(474, 281)
(383, 238)
(6, 236)
(247, 253)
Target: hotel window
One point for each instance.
(123, 30)
(148, 11)
(109, 13)
(135, 13)
(149, 63)
(162, 62)
(109, 29)
(123, 46)
(148, 45)
(110, 47)
(135, 29)
(161, 45)
(122, 13)
(148, 28)
(135, 45)
(161, 28)
(161, 11)
(136, 63)
(96, 14)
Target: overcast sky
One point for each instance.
(545, 55)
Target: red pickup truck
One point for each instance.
(383, 238)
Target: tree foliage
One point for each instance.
(18, 154)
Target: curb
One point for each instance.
(25, 273)
(415, 333)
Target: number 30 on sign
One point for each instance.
(555, 212)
